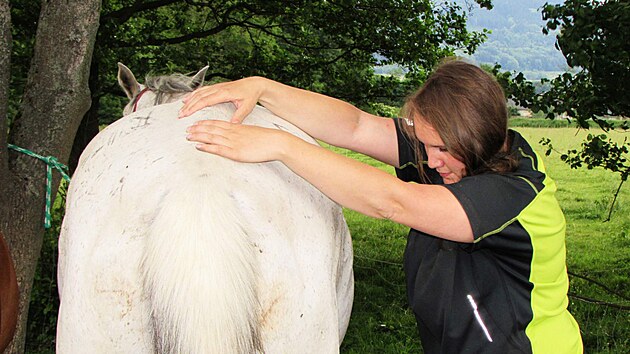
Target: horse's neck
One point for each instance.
(168, 97)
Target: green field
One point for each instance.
(597, 250)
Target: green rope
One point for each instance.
(51, 162)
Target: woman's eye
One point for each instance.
(443, 149)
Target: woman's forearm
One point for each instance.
(370, 191)
(332, 120)
(323, 117)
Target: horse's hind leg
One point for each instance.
(9, 296)
(103, 308)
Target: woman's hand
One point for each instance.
(239, 142)
(244, 94)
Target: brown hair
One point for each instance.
(467, 107)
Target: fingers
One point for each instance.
(239, 142)
(220, 138)
(214, 149)
(242, 111)
(210, 123)
(237, 92)
(200, 98)
(219, 150)
(209, 132)
(210, 137)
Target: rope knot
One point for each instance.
(51, 162)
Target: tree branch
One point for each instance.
(176, 40)
(599, 302)
(612, 205)
(124, 14)
(286, 39)
(223, 20)
(599, 284)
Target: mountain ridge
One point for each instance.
(516, 41)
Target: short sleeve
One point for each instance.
(492, 201)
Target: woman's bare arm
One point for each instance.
(325, 118)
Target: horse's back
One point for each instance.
(297, 240)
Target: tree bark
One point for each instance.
(89, 124)
(55, 99)
(5, 62)
(5, 78)
(86, 132)
(5, 65)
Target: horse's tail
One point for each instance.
(199, 274)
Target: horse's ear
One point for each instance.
(198, 79)
(127, 81)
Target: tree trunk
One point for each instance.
(86, 132)
(5, 65)
(5, 78)
(89, 124)
(55, 99)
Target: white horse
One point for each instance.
(170, 250)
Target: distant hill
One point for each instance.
(516, 41)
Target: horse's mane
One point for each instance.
(163, 85)
(174, 83)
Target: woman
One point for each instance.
(485, 257)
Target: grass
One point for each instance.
(597, 250)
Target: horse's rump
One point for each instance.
(206, 254)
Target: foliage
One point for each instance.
(42, 314)
(541, 122)
(598, 151)
(24, 23)
(325, 46)
(384, 110)
(593, 38)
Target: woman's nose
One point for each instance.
(434, 161)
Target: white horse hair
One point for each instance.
(166, 249)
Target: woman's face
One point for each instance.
(438, 157)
